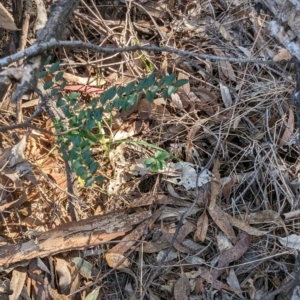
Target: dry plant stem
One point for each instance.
(183, 216)
(25, 26)
(56, 113)
(53, 43)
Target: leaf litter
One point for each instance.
(247, 205)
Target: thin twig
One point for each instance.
(53, 43)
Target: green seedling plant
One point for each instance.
(158, 162)
(81, 128)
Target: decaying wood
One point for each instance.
(285, 25)
(74, 235)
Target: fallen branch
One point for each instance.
(74, 235)
(37, 49)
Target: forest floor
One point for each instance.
(217, 216)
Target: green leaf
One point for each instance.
(149, 80)
(81, 172)
(75, 165)
(155, 167)
(165, 93)
(78, 107)
(48, 84)
(171, 90)
(86, 153)
(54, 67)
(108, 95)
(132, 99)
(121, 91)
(90, 124)
(84, 267)
(161, 155)
(140, 86)
(63, 85)
(81, 116)
(162, 81)
(118, 103)
(43, 74)
(54, 92)
(169, 79)
(87, 183)
(76, 140)
(154, 89)
(150, 96)
(99, 178)
(149, 162)
(93, 167)
(93, 295)
(73, 97)
(180, 82)
(92, 138)
(93, 102)
(129, 88)
(60, 102)
(98, 114)
(161, 164)
(59, 76)
(48, 59)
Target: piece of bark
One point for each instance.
(74, 235)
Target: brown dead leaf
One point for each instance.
(205, 274)
(17, 283)
(226, 35)
(117, 261)
(62, 270)
(289, 129)
(282, 54)
(186, 87)
(220, 218)
(265, 216)
(152, 111)
(185, 230)
(230, 255)
(155, 246)
(202, 226)
(245, 227)
(182, 288)
(225, 66)
(228, 187)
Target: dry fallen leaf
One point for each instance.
(230, 255)
(6, 19)
(245, 227)
(289, 129)
(282, 54)
(182, 288)
(64, 276)
(225, 66)
(220, 218)
(202, 226)
(118, 261)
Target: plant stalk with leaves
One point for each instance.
(82, 121)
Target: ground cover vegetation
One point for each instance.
(148, 174)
